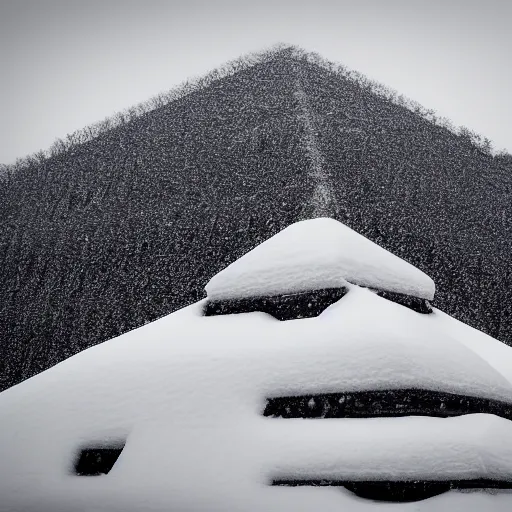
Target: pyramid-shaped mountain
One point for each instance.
(116, 230)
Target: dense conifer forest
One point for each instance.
(126, 221)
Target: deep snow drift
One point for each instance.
(314, 254)
(186, 394)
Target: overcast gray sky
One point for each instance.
(68, 63)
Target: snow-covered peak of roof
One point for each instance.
(315, 254)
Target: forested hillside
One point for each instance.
(130, 226)
(430, 196)
(110, 233)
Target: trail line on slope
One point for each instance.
(321, 202)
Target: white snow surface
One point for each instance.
(314, 254)
(187, 393)
(492, 350)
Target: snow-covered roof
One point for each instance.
(187, 392)
(314, 254)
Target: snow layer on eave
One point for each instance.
(465, 447)
(315, 254)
